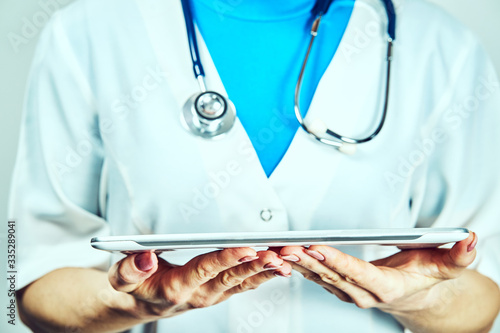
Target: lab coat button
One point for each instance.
(266, 215)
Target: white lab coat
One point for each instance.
(103, 151)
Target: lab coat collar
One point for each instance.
(293, 175)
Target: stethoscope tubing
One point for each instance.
(193, 43)
(339, 141)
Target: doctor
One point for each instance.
(107, 148)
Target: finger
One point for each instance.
(328, 287)
(129, 273)
(356, 271)
(338, 286)
(204, 268)
(287, 253)
(239, 279)
(250, 283)
(316, 271)
(460, 256)
(267, 261)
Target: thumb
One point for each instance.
(129, 273)
(462, 254)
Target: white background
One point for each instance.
(482, 16)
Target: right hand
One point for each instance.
(164, 290)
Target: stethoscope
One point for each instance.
(208, 114)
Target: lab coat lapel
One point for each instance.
(235, 173)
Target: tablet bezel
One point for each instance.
(401, 237)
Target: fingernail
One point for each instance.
(472, 245)
(270, 266)
(248, 259)
(279, 274)
(291, 257)
(143, 262)
(315, 255)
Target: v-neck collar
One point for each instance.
(173, 55)
(264, 103)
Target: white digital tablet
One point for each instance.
(403, 238)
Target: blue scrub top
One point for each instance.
(258, 48)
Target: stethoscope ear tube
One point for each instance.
(391, 18)
(316, 128)
(321, 7)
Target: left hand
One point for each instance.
(405, 281)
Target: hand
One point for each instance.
(403, 282)
(164, 290)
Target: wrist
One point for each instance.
(469, 303)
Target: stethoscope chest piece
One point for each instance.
(208, 114)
